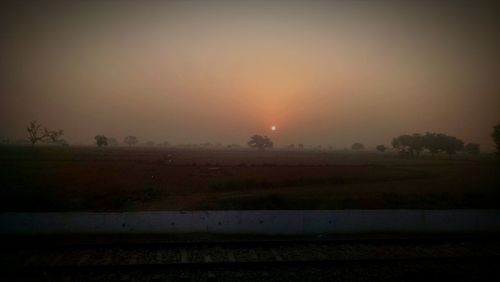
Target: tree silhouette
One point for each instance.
(402, 143)
(101, 140)
(131, 140)
(412, 144)
(434, 142)
(472, 148)
(381, 148)
(37, 133)
(260, 142)
(416, 144)
(357, 147)
(496, 137)
(451, 144)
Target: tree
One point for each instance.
(301, 146)
(101, 140)
(150, 143)
(112, 141)
(496, 137)
(416, 144)
(409, 144)
(131, 140)
(357, 147)
(432, 142)
(381, 148)
(402, 143)
(472, 148)
(260, 142)
(452, 144)
(37, 133)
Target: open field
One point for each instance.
(132, 179)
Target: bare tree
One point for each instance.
(37, 133)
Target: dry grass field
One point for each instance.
(133, 179)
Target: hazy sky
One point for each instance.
(323, 72)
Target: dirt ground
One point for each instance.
(132, 179)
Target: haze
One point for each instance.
(325, 73)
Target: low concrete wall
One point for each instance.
(253, 222)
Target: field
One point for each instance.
(132, 179)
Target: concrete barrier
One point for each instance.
(253, 222)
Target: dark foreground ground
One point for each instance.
(385, 258)
(131, 179)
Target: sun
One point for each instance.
(273, 127)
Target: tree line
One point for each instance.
(434, 143)
(406, 144)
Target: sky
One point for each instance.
(322, 72)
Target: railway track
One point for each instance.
(234, 261)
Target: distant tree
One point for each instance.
(451, 145)
(439, 142)
(291, 146)
(402, 143)
(357, 147)
(131, 140)
(37, 133)
(496, 137)
(472, 148)
(112, 141)
(433, 142)
(301, 146)
(260, 142)
(150, 143)
(416, 144)
(409, 144)
(381, 148)
(101, 140)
